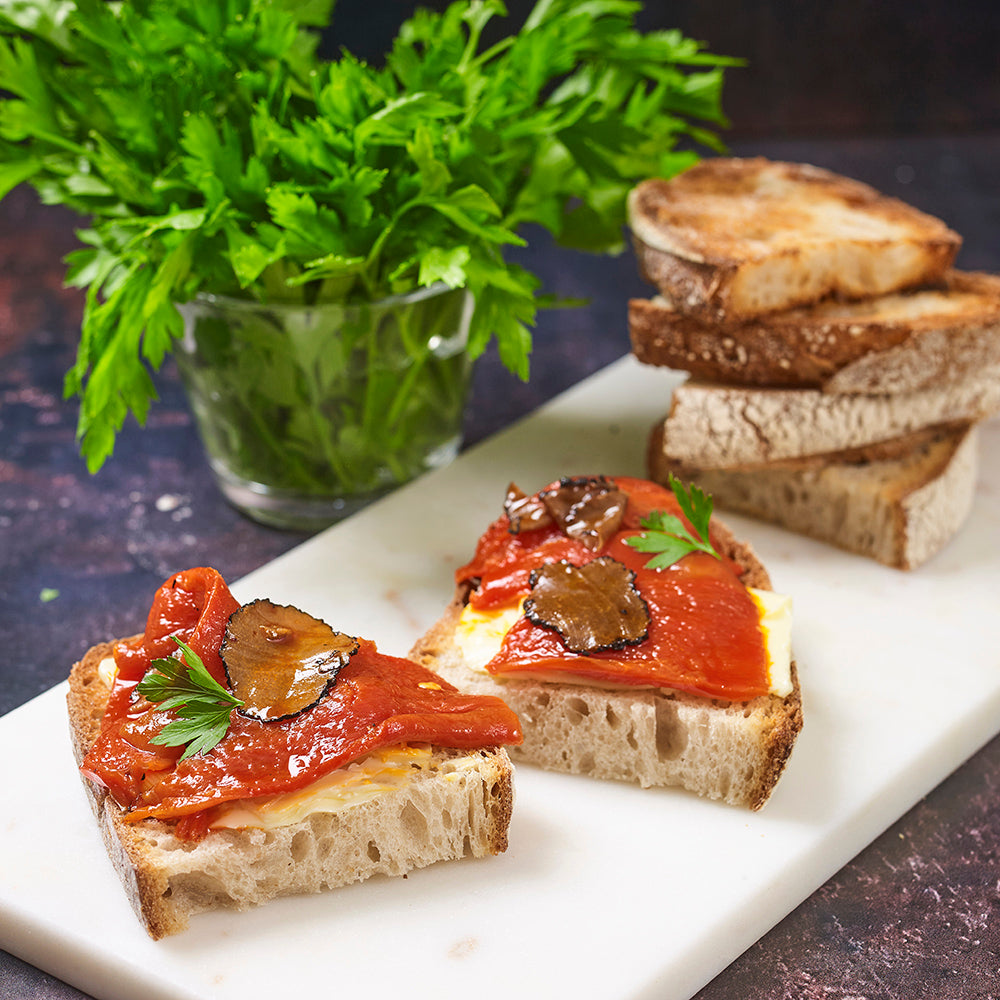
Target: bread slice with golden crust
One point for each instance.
(453, 804)
(899, 508)
(732, 239)
(898, 342)
(730, 751)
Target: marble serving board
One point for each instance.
(607, 891)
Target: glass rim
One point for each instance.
(253, 305)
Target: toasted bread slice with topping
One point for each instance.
(732, 239)
(899, 342)
(899, 508)
(734, 752)
(397, 815)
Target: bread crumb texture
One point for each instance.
(460, 807)
(899, 509)
(730, 751)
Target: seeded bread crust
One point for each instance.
(900, 508)
(899, 342)
(459, 806)
(731, 751)
(732, 239)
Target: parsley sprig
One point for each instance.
(202, 705)
(666, 534)
(212, 149)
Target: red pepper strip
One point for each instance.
(194, 605)
(503, 562)
(705, 634)
(377, 701)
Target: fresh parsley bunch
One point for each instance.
(213, 150)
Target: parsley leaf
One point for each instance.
(212, 149)
(202, 705)
(666, 534)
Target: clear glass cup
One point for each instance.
(308, 413)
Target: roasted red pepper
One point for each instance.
(377, 701)
(704, 633)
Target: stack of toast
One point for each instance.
(838, 363)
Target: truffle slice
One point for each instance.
(593, 607)
(525, 513)
(279, 660)
(589, 509)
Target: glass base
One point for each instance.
(309, 413)
(304, 512)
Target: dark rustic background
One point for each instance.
(856, 67)
(903, 96)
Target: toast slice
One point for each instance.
(451, 804)
(732, 239)
(900, 508)
(712, 426)
(899, 342)
(730, 751)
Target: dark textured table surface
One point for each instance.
(913, 916)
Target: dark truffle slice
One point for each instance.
(525, 513)
(593, 607)
(588, 508)
(279, 660)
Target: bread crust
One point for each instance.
(899, 342)
(713, 426)
(168, 880)
(660, 463)
(731, 751)
(900, 505)
(731, 239)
